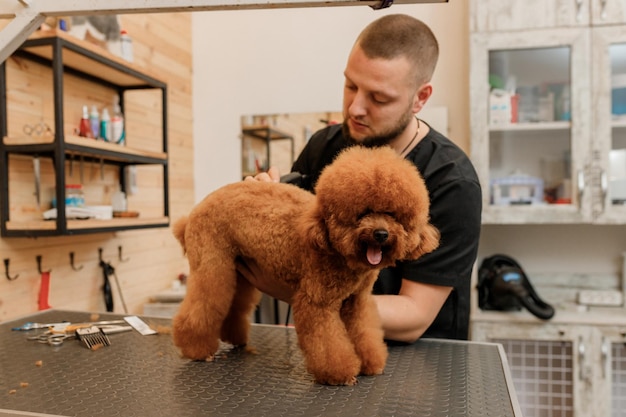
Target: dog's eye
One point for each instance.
(364, 213)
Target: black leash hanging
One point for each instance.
(108, 270)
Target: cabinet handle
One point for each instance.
(579, 10)
(603, 9)
(604, 187)
(605, 356)
(581, 187)
(581, 359)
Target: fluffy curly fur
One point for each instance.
(370, 209)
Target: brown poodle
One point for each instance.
(369, 210)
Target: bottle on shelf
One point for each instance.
(126, 45)
(84, 128)
(117, 123)
(94, 121)
(74, 196)
(105, 125)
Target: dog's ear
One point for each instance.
(313, 229)
(179, 231)
(429, 241)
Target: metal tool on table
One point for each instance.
(91, 334)
(51, 338)
(32, 326)
(64, 326)
(93, 337)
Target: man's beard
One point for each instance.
(381, 139)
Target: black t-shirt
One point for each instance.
(455, 210)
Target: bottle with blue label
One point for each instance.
(105, 125)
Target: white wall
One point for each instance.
(292, 61)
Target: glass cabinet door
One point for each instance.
(609, 130)
(530, 107)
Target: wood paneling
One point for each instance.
(162, 44)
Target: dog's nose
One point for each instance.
(381, 235)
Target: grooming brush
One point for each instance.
(93, 337)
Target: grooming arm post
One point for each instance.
(29, 14)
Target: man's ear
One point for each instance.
(421, 97)
(313, 229)
(429, 241)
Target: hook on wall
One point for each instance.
(74, 267)
(6, 271)
(119, 255)
(39, 257)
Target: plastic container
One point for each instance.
(84, 129)
(126, 46)
(74, 196)
(105, 125)
(94, 121)
(117, 123)
(516, 189)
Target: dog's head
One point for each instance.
(372, 208)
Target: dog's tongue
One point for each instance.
(374, 255)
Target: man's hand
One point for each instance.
(272, 175)
(250, 271)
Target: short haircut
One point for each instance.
(400, 35)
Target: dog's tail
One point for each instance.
(179, 231)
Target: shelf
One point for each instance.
(86, 226)
(84, 146)
(529, 214)
(600, 316)
(619, 123)
(65, 54)
(528, 127)
(89, 59)
(264, 132)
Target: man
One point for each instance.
(387, 82)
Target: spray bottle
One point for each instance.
(84, 129)
(117, 123)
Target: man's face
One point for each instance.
(378, 98)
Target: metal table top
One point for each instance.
(145, 376)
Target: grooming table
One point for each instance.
(145, 376)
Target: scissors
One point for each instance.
(51, 338)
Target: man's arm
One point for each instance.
(406, 316)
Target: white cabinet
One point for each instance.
(543, 89)
(605, 12)
(510, 15)
(609, 129)
(561, 368)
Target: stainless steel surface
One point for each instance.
(145, 376)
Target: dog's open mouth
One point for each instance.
(374, 254)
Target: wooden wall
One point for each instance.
(152, 257)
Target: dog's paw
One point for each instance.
(337, 381)
(372, 370)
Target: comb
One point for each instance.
(93, 337)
